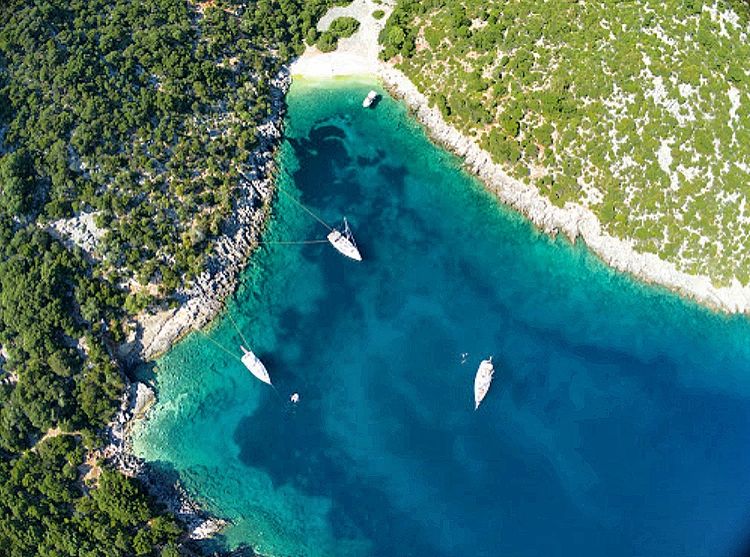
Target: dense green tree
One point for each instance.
(339, 28)
(17, 182)
(44, 510)
(140, 112)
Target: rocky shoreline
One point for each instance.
(154, 334)
(574, 220)
(136, 400)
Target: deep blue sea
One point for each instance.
(618, 423)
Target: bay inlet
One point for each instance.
(617, 423)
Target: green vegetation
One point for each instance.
(140, 113)
(44, 511)
(378, 14)
(638, 110)
(50, 308)
(340, 28)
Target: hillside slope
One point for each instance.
(639, 111)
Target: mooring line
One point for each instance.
(313, 215)
(247, 344)
(301, 242)
(232, 354)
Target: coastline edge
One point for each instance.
(573, 219)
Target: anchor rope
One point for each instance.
(299, 203)
(301, 242)
(232, 354)
(234, 323)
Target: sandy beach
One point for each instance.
(358, 55)
(355, 55)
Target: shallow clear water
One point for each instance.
(617, 423)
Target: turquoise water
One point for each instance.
(618, 422)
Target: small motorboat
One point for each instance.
(343, 241)
(294, 398)
(482, 381)
(370, 99)
(255, 366)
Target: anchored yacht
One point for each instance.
(343, 241)
(255, 366)
(482, 381)
(370, 99)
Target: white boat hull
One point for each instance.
(370, 99)
(343, 245)
(255, 366)
(482, 381)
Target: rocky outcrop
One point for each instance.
(117, 451)
(144, 399)
(80, 231)
(208, 528)
(6, 377)
(164, 486)
(574, 220)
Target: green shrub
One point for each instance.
(327, 42)
(343, 27)
(584, 70)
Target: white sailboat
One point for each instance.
(343, 241)
(370, 99)
(255, 366)
(482, 381)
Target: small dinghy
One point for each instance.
(370, 99)
(482, 381)
(343, 241)
(255, 366)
